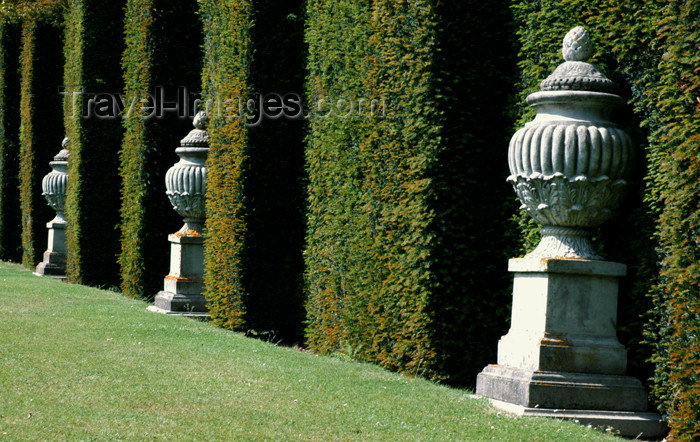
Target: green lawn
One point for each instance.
(78, 363)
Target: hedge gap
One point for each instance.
(40, 130)
(10, 234)
(254, 229)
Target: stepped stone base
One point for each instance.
(180, 303)
(53, 265)
(581, 391)
(54, 260)
(183, 287)
(636, 424)
(204, 316)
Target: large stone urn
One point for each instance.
(186, 188)
(53, 188)
(569, 167)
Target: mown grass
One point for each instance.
(78, 363)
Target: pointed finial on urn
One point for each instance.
(63, 154)
(198, 137)
(577, 45)
(576, 73)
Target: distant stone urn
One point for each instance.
(54, 184)
(185, 182)
(571, 164)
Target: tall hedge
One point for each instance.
(93, 48)
(675, 181)
(10, 234)
(255, 222)
(404, 202)
(163, 60)
(40, 131)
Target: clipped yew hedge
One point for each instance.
(163, 60)
(40, 129)
(675, 194)
(93, 48)
(404, 205)
(10, 234)
(255, 220)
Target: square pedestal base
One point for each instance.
(543, 389)
(601, 400)
(183, 287)
(179, 303)
(637, 424)
(53, 265)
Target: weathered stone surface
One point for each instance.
(178, 302)
(54, 190)
(561, 390)
(569, 167)
(636, 424)
(186, 188)
(571, 164)
(563, 317)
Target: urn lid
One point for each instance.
(64, 153)
(576, 74)
(198, 137)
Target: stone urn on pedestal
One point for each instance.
(569, 167)
(185, 182)
(53, 188)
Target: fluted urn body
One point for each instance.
(571, 164)
(186, 181)
(54, 184)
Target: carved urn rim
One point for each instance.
(190, 149)
(578, 97)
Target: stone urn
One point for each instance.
(186, 185)
(571, 164)
(54, 184)
(53, 188)
(186, 181)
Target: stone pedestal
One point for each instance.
(182, 288)
(562, 353)
(54, 262)
(186, 184)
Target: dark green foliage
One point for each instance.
(401, 208)
(10, 234)
(675, 181)
(40, 131)
(162, 50)
(255, 190)
(93, 48)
